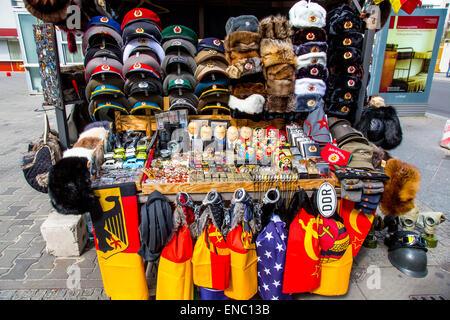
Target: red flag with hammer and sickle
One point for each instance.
(356, 222)
(302, 267)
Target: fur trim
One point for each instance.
(277, 51)
(310, 85)
(54, 13)
(401, 189)
(280, 104)
(79, 153)
(246, 89)
(234, 57)
(242, 41)
(275, 27)
(253, 104)
(96, 132)
(88, 143)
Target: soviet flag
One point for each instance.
(356, 222)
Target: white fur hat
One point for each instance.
(79, 152)
(253, 104)
(310, 85)
(312, 58)
(307, 14)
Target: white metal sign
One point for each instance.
(326, 200)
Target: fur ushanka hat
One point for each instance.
(381, 126)
(273, 51)
(280, 79)
(348, 39)
(303, 35)
(307, 14)
(310, 47)
(344, 19)
(242, 23)
(243, 90)
(401, 189)
(275, 27)
(345, 55)
(305, 86)
(69, 184)
(242, 41)
(315, 71)
(351, 69)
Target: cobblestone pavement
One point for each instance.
(27, 271)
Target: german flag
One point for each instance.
(117, 242)
(174, 280)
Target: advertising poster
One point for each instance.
(404, 56)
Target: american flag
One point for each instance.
(271, 246)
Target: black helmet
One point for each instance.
(408, 253)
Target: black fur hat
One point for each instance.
(69, 186)
(348, 39)
(343, 81)
(315, 71)
(345, 55)
(381, 126)
(343, 19)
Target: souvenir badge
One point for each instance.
(138, 13)
(345, 109)
(106, 68)
(311, 103)
(347, 42)
(351, 83)
(315, 49)
(351, 69)
(314, 60)
(217, 42)
(310, 36)
(104, 19)
(348, 55)
(348, 24)
(311, 88)
(314, 71)
(326, 200)
(312, 18)
(177, 29)
(348, 96)
(139, 30)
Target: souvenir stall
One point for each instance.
(234, 168)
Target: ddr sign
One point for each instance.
(326, 200)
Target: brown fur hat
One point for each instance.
(280, 79)
(242, 41)
(246, 89)
(280, 71)
(303, 35)
(401, 189)
(280, 104)
(88, 143)
(275, 27)
(234, 57)
(274, 51)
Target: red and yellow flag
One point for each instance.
(211, 260)
(356, 222)
(174, 281)
(302, 266)
(406, 5)
(243, 281)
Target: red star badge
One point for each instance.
(323, 123)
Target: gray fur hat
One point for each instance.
(242, 23)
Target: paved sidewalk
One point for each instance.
(27, 271)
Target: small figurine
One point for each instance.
(246, 135)
(219, 137)
(232, 137)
